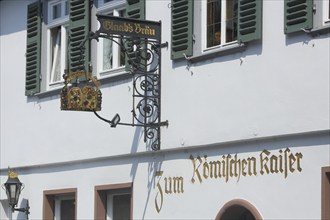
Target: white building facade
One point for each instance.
(244, 89)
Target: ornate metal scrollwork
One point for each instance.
(145, 68)
(143, 61)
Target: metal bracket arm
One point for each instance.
(143, 55)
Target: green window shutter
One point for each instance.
(182, 28)
(79, 18)
(298, 15)
(135, 9)
(249, 20)
(33, 49)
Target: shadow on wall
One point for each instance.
(4, 209)
(219, 56)
(18, 23)
(153, 167)
(305, 38)
(23, 204)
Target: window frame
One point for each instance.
(321, 15)
(37, 57)
(101, 194)
(110, 201)
(200, 51)
(242, 203)
(325, 192)
(115, 7)
(63, 9)
(57, 204)
(326, 12)
(63, 23)
(49, 200)
(223, 31)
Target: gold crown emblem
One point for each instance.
(12, 174)
(79, 97)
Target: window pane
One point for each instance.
(122, 207)
(57, 11)
(56, 54)
(66, 8)
(213, 22)
(68, 209)
(231, 23)
(107, 54)
(113, 55)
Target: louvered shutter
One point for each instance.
(33, 49)
(298, 15)
(182, 28)
(79, 23)
(249, 20)
(134, 9)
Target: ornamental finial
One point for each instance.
(12, 174)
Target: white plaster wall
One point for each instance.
(277, 87)
(296, 197)
(275, 197)
(45, 133)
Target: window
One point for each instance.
(65, 25)
(58, 9)
(57, 40)
(60, 204)
(63, 20)
(322, 14)
(223, 25)
(238, 209)
(221, 22)
(325, 193)
(306, 15)
(64, 207)
(111, 57)
(119, 205)
(113, 202)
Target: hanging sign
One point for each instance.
(129, 27)
(83, 96)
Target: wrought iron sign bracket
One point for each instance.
(141, 43)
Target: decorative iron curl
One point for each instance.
(148, 108)
(143, 57)
(146, 84)
(151, 134)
